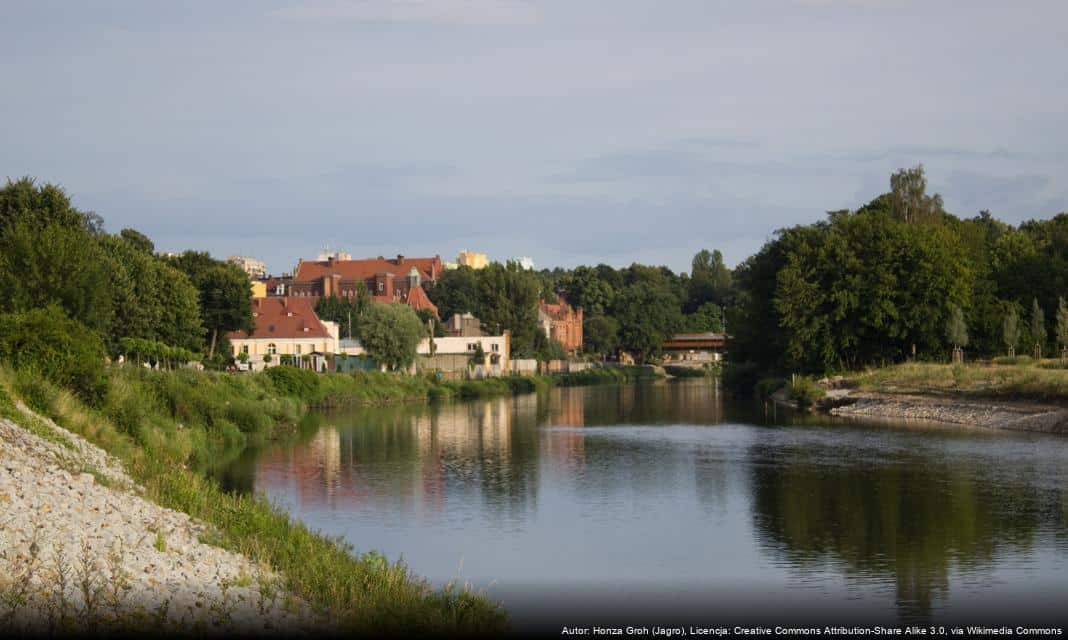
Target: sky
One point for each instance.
(572, 131)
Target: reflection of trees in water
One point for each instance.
(911, 516)
(419, 456)
(692, 401)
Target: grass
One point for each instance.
(803, 391)
(604, 375)
(163, 425)
(1044, 381)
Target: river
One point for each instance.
(669, 502)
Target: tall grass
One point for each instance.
(1021, 381)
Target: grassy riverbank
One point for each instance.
(1021, 380)
(162, 425)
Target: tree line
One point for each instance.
(64, 277)
(900, 278)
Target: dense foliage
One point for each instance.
(60, 349)
(113, 286)
(390, 333)
(880, 284)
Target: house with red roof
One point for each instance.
(397, 279)
(284, 326)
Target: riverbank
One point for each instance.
(161, 427)
(1025, 396)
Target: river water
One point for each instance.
(669, 503)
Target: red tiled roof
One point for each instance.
(418, 300)
(366, 269)
(284, 317)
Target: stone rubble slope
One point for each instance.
(75, 552)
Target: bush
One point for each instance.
(804, 391)
(291, 381)
(60, 349)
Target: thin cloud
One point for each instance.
(445, 12)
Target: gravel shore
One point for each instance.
(995, 414)
(80, 548)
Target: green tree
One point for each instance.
(909, 201)
(708, 317)
(139, 240)
(1011, 330)
(347, 311)
(62, 350)
(56, 264)
(224, 293)
(1062, 323)
(456, 291)
(710, 280)
(600, 335)
(1038, 327)
(390, 333)
(647, 316)
(956, 329)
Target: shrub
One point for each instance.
(1018, 360)
(291, 381)
(62, 350)
(804, 391)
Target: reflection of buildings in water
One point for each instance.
(566, 446)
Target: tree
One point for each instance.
(956, 329)
(909, 201)
(1038, 327)
(710, 280)
(600, 335)
(139, 240)
(391, 333)
(1011, 330)
(225, 294)
(647, 315)
(59, 348)
(57, 264)
(708, 317)
(1062, 324)
(346, 311)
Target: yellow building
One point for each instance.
(259, 289)
(472, 259)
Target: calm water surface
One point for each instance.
(668, 502)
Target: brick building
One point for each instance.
(562, 323)
(397, 279)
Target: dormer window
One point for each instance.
(289, 314)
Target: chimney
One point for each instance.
(400, 258)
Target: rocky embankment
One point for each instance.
(995, 414)
(82, 550)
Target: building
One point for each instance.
(472, 259)
(259, 289)
(695, 347)
(285, 326)
(397, 279)
(562, 323)
(463, 325)
(457, 357)
(256, 269)
(333, 255)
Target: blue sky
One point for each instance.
(574, 131)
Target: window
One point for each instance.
(496, 347)
(298, 349)
(244, 348)
(381, 287)
(272, 349)
(472, 346)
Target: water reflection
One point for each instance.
(670, 486)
